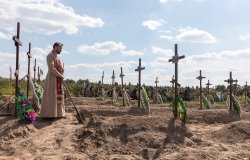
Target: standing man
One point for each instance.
(53, 99)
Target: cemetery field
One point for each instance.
(128, 133)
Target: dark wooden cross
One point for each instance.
(208, 88)
(18, 43)
(38, 74)
(245, 94)
(139, 69)
(172, 82)
(28, 78)
(113, 85)
(34, 70)
(175, 59)
(230, 81)
(200, 79)
(102, 83)
(156, 82)
(123, 96)
(102, 77)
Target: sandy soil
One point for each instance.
(128, 133)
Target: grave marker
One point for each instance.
(18, 43)
(230, 81)
(175, 59)
(200, 77)
(139, 69)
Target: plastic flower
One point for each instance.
(32, 116)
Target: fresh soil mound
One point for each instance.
(212, 116)
(11, 129)
(237, 132)
(112, 111)
(140, 136)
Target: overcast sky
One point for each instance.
(102, 35)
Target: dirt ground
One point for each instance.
(127, 133)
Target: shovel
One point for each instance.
(79, 116)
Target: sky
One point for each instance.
(98, 35)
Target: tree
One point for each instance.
(221, 88)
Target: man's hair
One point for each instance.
(57, 44)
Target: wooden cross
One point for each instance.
(123, 96)
(245, 94)
(175, 59)
(102, 83)
(139, 69)
(113, 83)
(230, 81)
(113, 78)
(35, 70)
(38, 74)
(208, 89)
(156, 82)
(200, 79)
(102, 77)
(173, 82)
(28, 78)
(18, 43)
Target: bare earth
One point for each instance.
(128, 133)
